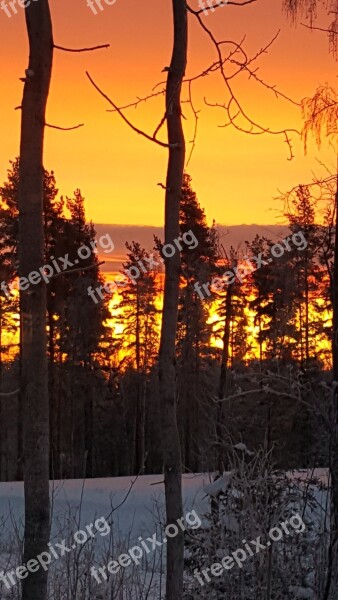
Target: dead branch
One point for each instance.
(234, 109)
(195, 112)
(78, 269)
(118, 110)
(81, 49)
(64, 128)
(139, 101)
(252, 127)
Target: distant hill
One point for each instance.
(231, 235)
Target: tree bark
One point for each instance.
(172, 462)
(332, 577)
(34, 372)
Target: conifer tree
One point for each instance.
(198, 265)
(138, 314)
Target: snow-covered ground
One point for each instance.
(139, 503)
(134, 507)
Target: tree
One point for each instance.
(236, 116)
(301, 214)
(198, 264)
(75, 325)
(226, 312)
(318, 112)
(137, 313)
(172, 461)
(52, 213)
(34, 370)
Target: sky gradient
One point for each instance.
(235, 176)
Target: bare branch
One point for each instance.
(81, 49)
(118, 110)
(330, 31)
(216, 6)
(64, 128)
(139, 101)
(78, 269)
(251, 126)
(193, 141)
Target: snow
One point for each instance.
(136, 509)
(219, 485)
(138, 516)
(142, 510)
(243, 448)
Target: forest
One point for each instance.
(270, 325)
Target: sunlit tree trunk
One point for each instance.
(34, 372)
(223, 377)
(172, 463)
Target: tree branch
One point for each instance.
(78, 269)
(216, 6)
(330, 31)
(118, 110)
(81, 49)
(64, 128)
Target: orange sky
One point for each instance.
(235, 176)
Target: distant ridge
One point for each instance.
(231, 235)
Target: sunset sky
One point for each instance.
(235, 176)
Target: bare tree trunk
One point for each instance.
(332, 577)
(172, 462)
(34, 372)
